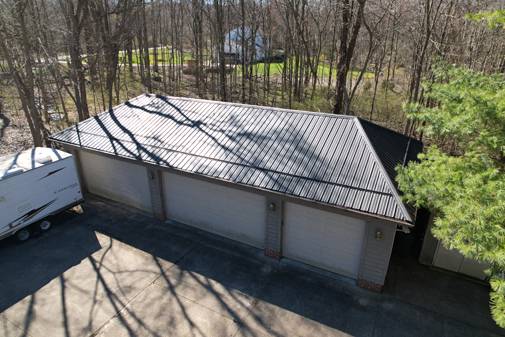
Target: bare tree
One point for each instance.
(19, 55)
(113, 26)
(75, 15)
(348, 36)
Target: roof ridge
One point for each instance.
(266, 107)
(394, 191)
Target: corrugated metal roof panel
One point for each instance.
(337, 160)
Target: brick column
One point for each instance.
(273, 230)
(154, 177)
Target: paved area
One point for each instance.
(115, 272)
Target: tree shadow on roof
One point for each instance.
(295, 154)
(281, 159)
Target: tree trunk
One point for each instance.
(218, 7)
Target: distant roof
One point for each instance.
(234, 40)
(341, 161)
(236, 35)
(26, 160)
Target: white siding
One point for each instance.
(222, 210)
(323, 239)
(452, 260)
(377, 251)
(116, 180)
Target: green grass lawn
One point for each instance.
(323, 70)
(164, 54)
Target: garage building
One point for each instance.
(433, 253)
(313, 187)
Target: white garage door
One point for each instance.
(116, 180)
(323, 239)
(225, 211)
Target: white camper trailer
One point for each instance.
(35, 184)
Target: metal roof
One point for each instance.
(341, 161)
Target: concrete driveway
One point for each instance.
(115, 272)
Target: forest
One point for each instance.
(62, 61)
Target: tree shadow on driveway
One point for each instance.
(118, 272)
(27, 267)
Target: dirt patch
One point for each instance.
(14, 137)
(14, 131)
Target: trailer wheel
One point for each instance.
(44, 225)
(23, 234)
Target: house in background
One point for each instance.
(312, 187)
(252, 42)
